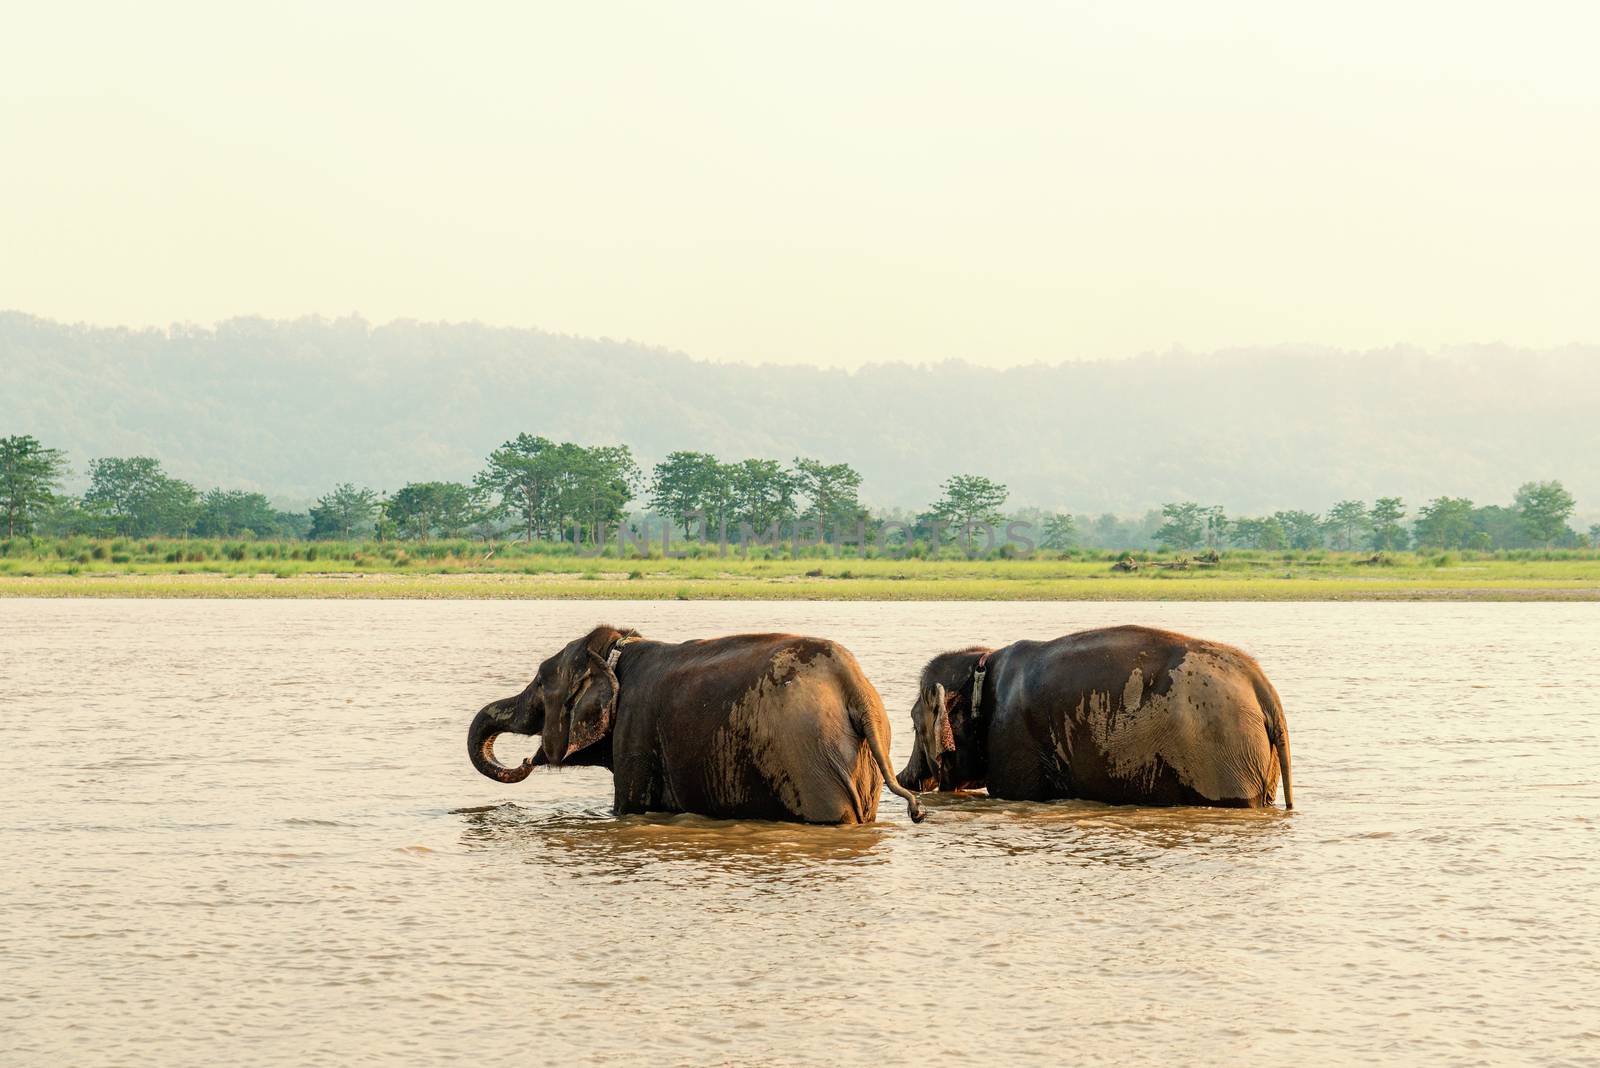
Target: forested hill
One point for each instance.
(290, 408)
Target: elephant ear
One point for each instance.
(594, 706)
(944, 739)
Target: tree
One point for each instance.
(344, 512)
(1217, 526)
(1060, 531)
(687, 482)
(1545, 508)
(292, 525)
(597, 485)
(228, 513)
(30, 474)
(830, 489)
(1302, 529)
(1444, 523)
(385, 527)
(1384, 520)
(424, 508)
(1495, 526)
(970, 499)
(69, 517)
(525, 473)
(1594, 535)
(762, 492)
(1347, 520)
(1184, 526)
(139, 498)
(1267, 533)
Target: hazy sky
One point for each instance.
(1002, 183)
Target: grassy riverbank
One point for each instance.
(122, 568)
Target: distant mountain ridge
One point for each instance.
(292, 407)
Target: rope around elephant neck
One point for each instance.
(978, 675)
(616, 649)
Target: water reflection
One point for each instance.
(591, 842)
(1094, 833)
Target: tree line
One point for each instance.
(540, 490)
(1537, 517)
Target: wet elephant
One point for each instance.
(752, 726)
(1126, 715)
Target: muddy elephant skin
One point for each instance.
(752, 726)
(1126, 715)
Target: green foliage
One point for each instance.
(30, 474)
(1495, 525)
(139, 498)
(524, 474)
(1109, 531)
(1347, 522)
(1545, 508)
(425, 509)
(761, 493)
(687, 483)
(1302, 529)
(1217, 526)
(1445, 523)
(1060, 532)
(556, 489)
(596, 487)
(831, 491)
(757, 494)
(229, 513)
(343, 513)
(1384, 521)
(970, 499)
(1265, 533)
(1185, 525)
(550, 487)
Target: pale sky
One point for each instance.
(998, 182)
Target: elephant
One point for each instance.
(751, 726)
(1124, 715)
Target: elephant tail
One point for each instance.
(867, 707)
(1277, 733)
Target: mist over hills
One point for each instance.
(292, 407)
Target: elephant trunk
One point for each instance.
(916, 774)
(492, 720)
(911, 776)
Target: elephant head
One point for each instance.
(571, 704)
(946, 747)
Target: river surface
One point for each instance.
(246, 832)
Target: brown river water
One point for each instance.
(246, 832)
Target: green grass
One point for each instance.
(81, 567)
